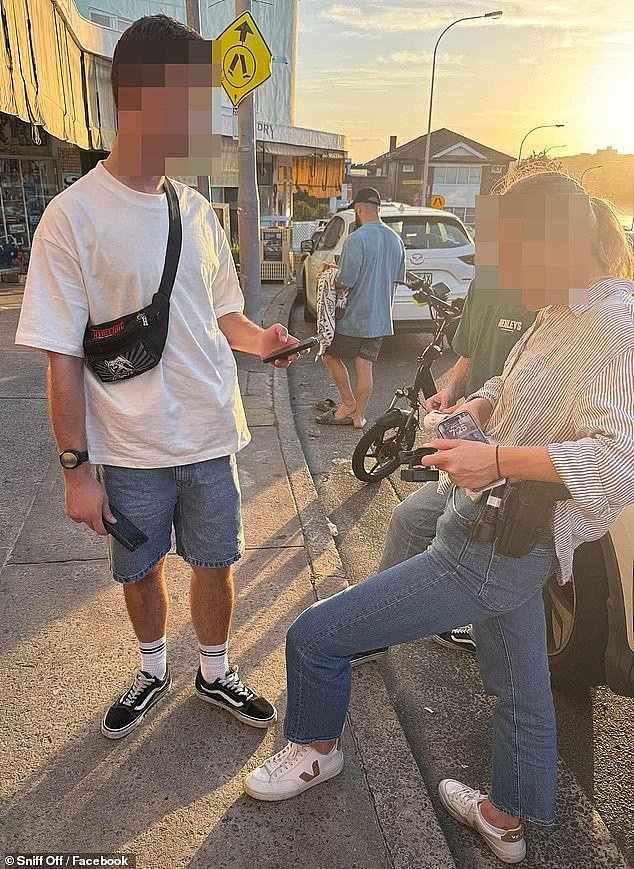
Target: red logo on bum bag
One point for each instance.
(95, 334)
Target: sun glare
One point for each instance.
(606, 109)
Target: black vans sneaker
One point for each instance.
(230, 693)
(459, 638)
(127, 712)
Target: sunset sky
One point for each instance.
(364, 68)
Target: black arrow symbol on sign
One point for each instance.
(239, 57)
(244, 30)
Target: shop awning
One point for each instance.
(319, 175)
(48, 79)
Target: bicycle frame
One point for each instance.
(424, 380)
(395, 450)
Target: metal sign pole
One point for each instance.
(248, 202)
(193, 20)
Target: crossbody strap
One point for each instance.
(174, 241)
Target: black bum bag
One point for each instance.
(133, 344)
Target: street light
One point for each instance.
(552, 148)
(425, 185)
(589, 169)
(541, 127)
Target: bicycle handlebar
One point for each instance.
(445, 309)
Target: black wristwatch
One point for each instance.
(70, 459)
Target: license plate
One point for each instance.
(427, 277)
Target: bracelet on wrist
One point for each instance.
(497, 461)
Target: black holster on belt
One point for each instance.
(526, 515)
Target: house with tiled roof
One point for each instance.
(460, 169)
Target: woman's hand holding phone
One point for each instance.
(469, 464)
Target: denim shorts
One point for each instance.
(200, 501)
(349, 347)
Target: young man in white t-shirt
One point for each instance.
(164, 442)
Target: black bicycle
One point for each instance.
(388, 443)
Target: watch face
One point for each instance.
(69, 460)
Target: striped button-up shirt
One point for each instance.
(569, 384)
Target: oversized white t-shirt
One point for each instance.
(98, 253)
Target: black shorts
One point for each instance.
(349, 347)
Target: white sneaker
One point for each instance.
(291, 771)
(463, 804)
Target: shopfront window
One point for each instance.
(26, 188)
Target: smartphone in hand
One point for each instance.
(291, 350)
(462, 426)
(124, 531)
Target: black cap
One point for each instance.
(366, 194)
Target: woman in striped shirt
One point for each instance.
(563, 412)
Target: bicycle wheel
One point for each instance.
(378, 453)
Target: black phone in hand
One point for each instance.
(124, 531)
(291, 350)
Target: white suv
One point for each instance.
(437, 244)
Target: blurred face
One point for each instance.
(533, 249)
(164, 118)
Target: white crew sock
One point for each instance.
(154, 657)
(214, 661)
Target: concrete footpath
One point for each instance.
(172, 792)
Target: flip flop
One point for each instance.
(325, 404)
(329, 418)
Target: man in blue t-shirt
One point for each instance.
(372, 262)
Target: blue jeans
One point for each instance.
(458, 580)
(413, 525)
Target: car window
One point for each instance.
(332, 234)
(428, 233)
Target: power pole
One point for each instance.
(193, 20)
(248, 202)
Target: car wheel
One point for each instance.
(577, 622)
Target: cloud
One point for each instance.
(380, 79)
(413, 15)
(417, 58)
(356, 34)
(576, 43)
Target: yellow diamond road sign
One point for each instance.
(437, 201)
(244, 56)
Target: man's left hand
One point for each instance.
(470, 464)
(276, 338)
